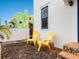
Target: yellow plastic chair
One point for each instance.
(46, 42)
(34, 38)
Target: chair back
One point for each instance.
(35, 34)
(51, 36)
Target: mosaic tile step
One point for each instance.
(72, 48)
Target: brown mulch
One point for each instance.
(22, 50)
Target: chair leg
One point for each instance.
(34, 43)
(27, 41)
(39, 47)
(48, 46)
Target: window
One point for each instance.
(29, 18)
(20, 22)
(12, 25)
(44, 18)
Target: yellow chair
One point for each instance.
(46, 42)
(34, 38)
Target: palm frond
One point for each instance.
(5, 30)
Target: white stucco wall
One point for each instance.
(16, 34)
(62, 21)
(19, 34)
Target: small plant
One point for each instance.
(5, 30)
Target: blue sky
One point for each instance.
(8, 8)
